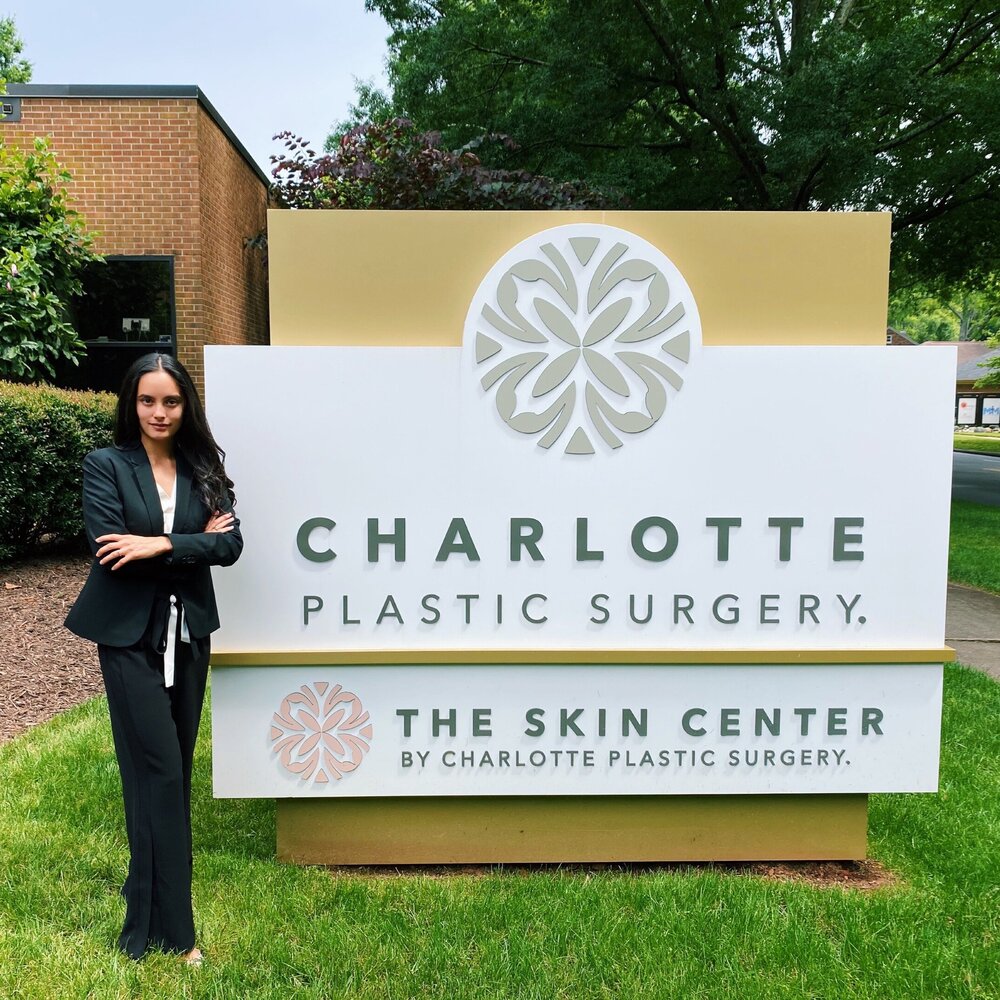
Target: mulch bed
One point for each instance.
(44, 668)
(863, 875)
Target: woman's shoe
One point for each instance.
(194, 958)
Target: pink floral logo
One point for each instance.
(320, 733)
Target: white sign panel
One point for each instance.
(574, 730)
(991, 410)
(386, 504)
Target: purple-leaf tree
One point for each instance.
(392, 165)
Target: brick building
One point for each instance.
(896, 338)
(175, 200)
(974, 407)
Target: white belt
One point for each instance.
(170, 651)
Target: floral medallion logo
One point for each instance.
(320, 733)
(583, 331)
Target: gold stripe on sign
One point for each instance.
(572, 657)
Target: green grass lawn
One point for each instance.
(974, 554)
(989, 443)
(278, 931)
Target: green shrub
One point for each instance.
(44, 248)
(44, 435)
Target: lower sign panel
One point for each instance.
(345, 731)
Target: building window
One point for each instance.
(126, 310)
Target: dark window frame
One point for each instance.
(106, 359)
(162, 258)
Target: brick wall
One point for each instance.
(158, 176)
(233, 209)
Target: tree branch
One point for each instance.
(656, 115)
(801, 200)
(971, 50)
(721, 72)
(779, 34)
(508, 56)
(958, 32)
(942, 207)
(654, 146)
(691, 97)
(843, 12)
(915, 132)
(659, 147)
(953, 311)
(803, 18)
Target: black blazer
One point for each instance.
(120, 497)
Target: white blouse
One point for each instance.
(168, 505)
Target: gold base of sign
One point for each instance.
(421, 831)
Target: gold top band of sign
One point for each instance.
(481, 657)
(405, 279)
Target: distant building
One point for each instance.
(175, 200)
(971, 354)
(973, 407)
(896, 338)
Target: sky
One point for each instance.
(264, 66)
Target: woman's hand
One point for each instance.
(219, 522)
(122, 549)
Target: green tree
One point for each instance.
(921, 317)
(959, 313)
(730, 104)
(991, 372)
(977, 313)
(43, 249)
(13, 69)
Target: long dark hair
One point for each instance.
(194, 437)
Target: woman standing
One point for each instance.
(158, 510)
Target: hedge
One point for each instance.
(44, 435)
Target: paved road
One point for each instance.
(976, 478)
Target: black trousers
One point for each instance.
(154, 729)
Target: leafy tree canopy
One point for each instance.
(991, 374)
(947, 314)
(13, 69)
(43, 248)
(729, 104)
(393, 165)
